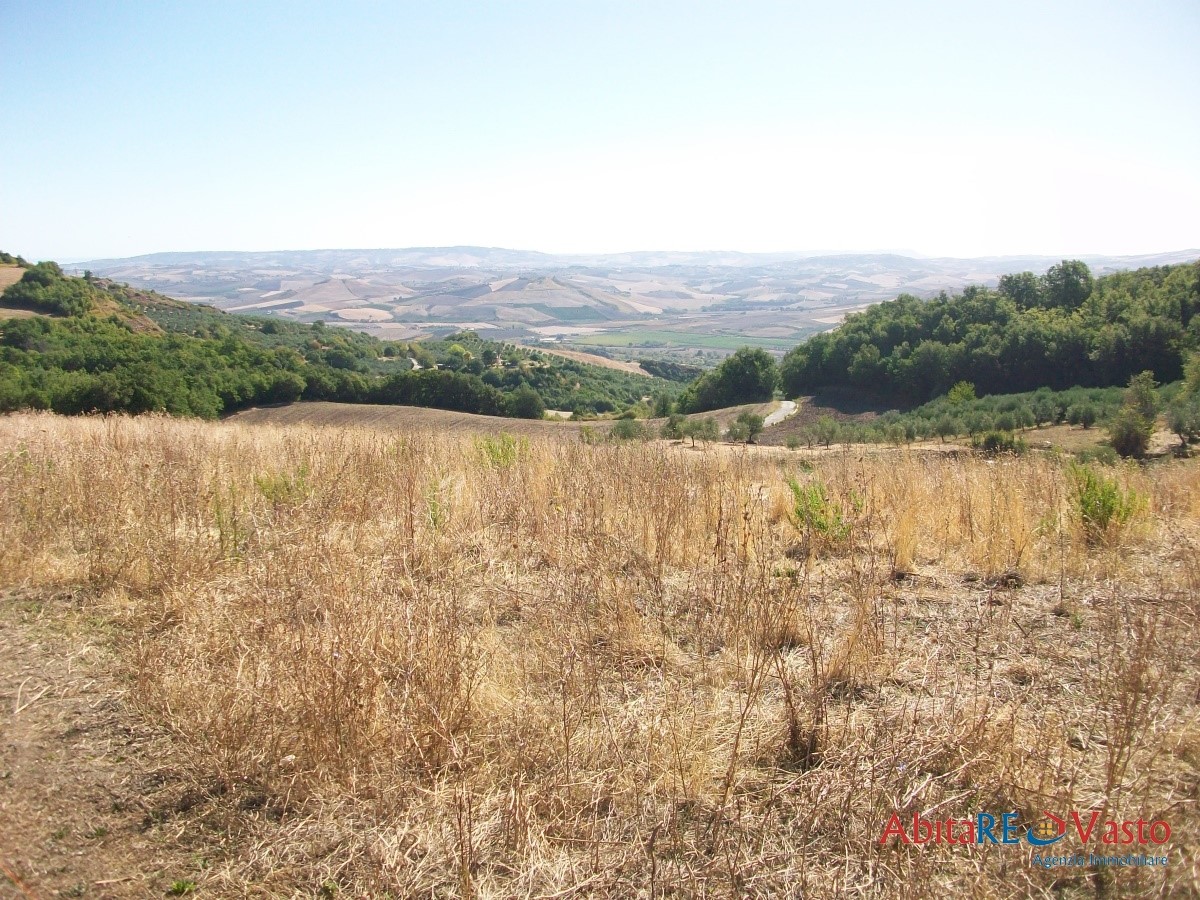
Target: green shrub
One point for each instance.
(816, 515)
(1103, 454)
(502, 451)
(285, 488)
(1100, 502)
(1000, 442)
(1129, 434)
(673, 429)
(630, 430)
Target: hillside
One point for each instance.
(399, 419)
(288, 661)
(1063, 329)
(90, 344)
(679, 306)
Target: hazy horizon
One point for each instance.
(644, 251)
(947, 129)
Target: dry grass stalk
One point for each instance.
(447, 669)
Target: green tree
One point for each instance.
(525, 403)
(745, 428)
(1128, 434)
(961, 394)
(1067, 285)
(1142, 397)
(700, 430)
(675, 428)
(1023, 288)
(748, 376)
(947, 426)
(1183, 418)
(826, 430)
(1130, 431)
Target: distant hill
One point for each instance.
(90, 344)
(687, 308)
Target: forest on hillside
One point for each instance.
(99, 346)
(1059, 330)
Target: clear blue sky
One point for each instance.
(943, 128)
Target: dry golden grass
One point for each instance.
(444, 665)
(404, 419)
(10, 275)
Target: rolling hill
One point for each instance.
(629, 305)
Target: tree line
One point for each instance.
(1059, 330)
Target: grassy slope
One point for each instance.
(400, 418)
(390, 664)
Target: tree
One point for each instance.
(1067, 285)
(525, 403)
(826, 430)
(1023, 288)
(961, 394)
(1142, 397)
(675, 428)
(947, 426)
(748, 376)
(746, 428)
(1130, 431)
(1183, 418)
(1128, 434)
(700, 429)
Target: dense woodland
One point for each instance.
(1059, 330)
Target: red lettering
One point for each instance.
(1166, 832)
(922, 830)
(1110, 832)
(1085, 835)
(894, 829)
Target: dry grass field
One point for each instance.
(401, 418)
(593, 359)
(357, 663)
(10, 275)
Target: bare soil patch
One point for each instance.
(89, 804)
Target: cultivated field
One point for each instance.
(593, 360)
(299, 661)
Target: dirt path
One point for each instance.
(87, 806)
(786, 408)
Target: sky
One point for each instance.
(934, 128)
